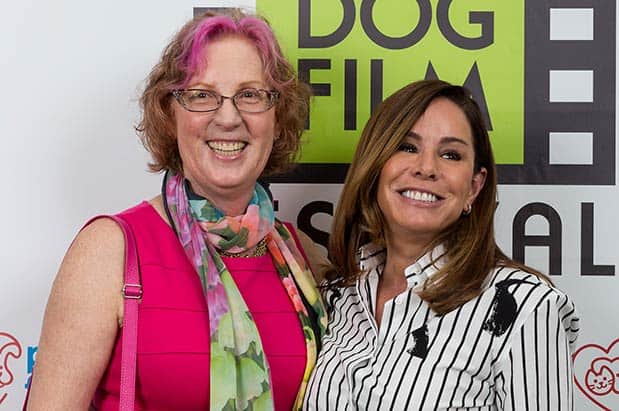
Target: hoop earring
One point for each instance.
(467, 210)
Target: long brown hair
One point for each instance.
(471, 249)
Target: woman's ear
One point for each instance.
(278, 131)
(477, 183)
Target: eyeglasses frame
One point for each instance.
(272, 94)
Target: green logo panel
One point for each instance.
(359, 52)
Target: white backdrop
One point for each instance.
(72, 72)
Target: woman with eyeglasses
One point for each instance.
(425, 310)
(230, 317)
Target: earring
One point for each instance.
(467, 210)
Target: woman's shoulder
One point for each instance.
(99, 245)
(517, 297)
(514, 274)
(91, 273)
(507, 276)
(523, 286)
(100, 235)
(97, 252)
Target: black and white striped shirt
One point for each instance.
(507, 349)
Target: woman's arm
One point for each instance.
(536, 373)
(81, 320)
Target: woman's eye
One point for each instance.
(452, 155)
(248, 94)
(408, 148)
(200, 95)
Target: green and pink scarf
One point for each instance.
(239, 375)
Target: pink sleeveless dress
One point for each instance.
(173, 337)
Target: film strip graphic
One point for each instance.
(569, 99)
(569, 67)
(569, 94)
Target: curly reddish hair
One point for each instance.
(183, 58)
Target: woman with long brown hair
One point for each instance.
(425, 311)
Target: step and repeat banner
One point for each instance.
(543, 71)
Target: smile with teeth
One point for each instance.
(227, 148)
(419, 196)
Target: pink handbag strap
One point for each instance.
(132, 293)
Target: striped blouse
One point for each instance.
(507, 349)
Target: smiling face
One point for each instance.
(224, 151)
(427, 184)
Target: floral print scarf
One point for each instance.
(239, 374)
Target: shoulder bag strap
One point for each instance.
(132, 293)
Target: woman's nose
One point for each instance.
(426, 165)
(227, 115)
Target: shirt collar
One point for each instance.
(425, 267)
(370, 256)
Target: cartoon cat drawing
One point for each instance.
(600, 383)
(9, 349)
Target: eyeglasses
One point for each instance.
(249, 100)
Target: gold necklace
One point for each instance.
(259, 250)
